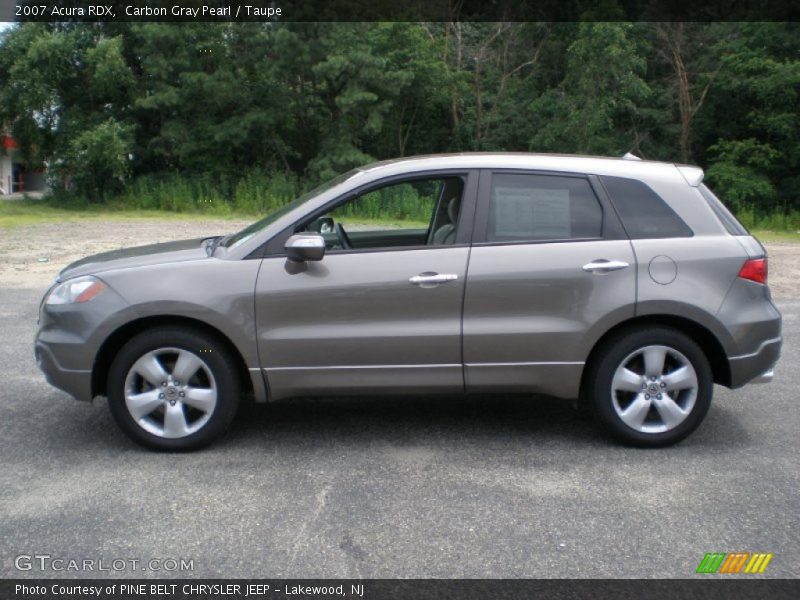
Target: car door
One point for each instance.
(383, 315)
(550, 270)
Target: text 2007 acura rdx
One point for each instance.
(626, 283)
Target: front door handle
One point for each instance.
(603, 265)
(430, 279)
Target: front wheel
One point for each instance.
(650, 387)
(173, 389)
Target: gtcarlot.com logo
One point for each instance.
(46, 562)
(734, 562)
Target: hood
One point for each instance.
(139, 256)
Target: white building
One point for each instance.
(14, 177)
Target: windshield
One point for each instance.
(251, 230)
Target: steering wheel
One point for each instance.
(344, 239)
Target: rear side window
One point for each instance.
(729, 222)
(644, 213)
(542, 207)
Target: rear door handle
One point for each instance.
(430, 279)
(603, 265)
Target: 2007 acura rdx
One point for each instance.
(623, 282)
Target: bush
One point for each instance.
(397, 203)
(258, 193)
(780, 220)
(747, 216)
(95, 165)
(777, 219)
(174, 193)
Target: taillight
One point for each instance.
(754, 269)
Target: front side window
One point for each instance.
(254, 228)
(419, 212)
(541, 208)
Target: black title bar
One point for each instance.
(399, 10)
(702, 587)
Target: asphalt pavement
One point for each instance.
(392, 487)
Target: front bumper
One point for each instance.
(69, 338)
(77, 384)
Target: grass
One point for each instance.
(382, 223)
(19, 213)
(257, 194)
(778, 224)
(172, 196)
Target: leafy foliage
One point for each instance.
(594, 108)
(244, 116)
(96, 161)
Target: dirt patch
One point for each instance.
(31, 256)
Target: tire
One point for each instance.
(642, 399)
(151, 403)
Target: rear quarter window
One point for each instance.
(644, 214)
(729, 222)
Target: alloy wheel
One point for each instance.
(654, 389)
(170, 392)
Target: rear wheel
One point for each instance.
(173, 389)
(650, 387)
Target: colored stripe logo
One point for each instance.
(734, 562)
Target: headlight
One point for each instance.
(80, 289)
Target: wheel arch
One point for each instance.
(120, 336)
(701, 335)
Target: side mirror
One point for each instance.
(303, 247)
(322, 225)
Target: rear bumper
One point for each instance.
(756, 367)
(765, 377)
(77, 384)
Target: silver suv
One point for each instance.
(624, 283)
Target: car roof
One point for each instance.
(568, 163)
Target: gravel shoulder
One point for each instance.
(31, 256)
(784, 269)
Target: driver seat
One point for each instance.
(446, 234)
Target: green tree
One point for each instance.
(221, 108)
(754, 148)
(65, 94)
(738, 171)
(689, 73)
(97, 160)
(596, 106)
